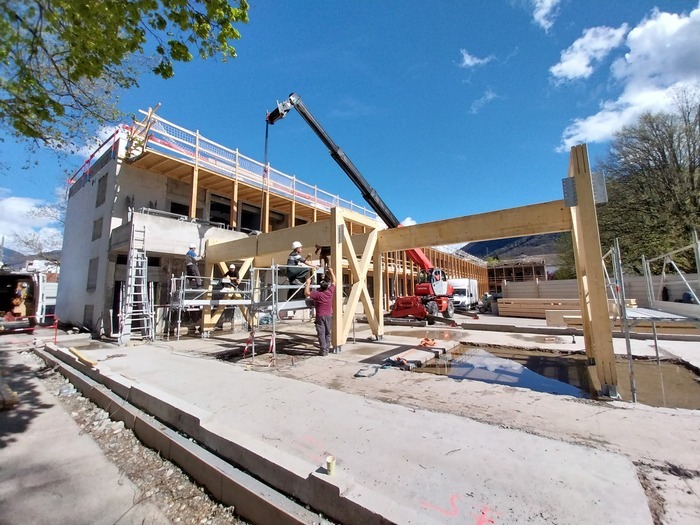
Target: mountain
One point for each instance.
(515, 247)
(12, 258)
(16, 260)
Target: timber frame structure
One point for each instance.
(362, 253)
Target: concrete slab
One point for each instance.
(437, 467)
(501, 455)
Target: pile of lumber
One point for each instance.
(539, 308)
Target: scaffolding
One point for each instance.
(630, 317)
(262, 299)
(668, 262)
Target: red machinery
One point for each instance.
(433, 293)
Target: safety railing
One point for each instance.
(166, 137)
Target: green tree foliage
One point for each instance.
(653, 173)
(653, 181)
(62, 62)
(565, 250)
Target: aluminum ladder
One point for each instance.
(136, 307)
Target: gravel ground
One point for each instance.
(163, 483)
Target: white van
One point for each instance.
(466, 293)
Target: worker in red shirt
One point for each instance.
(323, 302)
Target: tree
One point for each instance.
(62, 62)
(565, 251)
(45, 244)
(653, 182)
(653, 172)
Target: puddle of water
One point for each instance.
(666, 385)
(481, 365)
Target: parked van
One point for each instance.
(26, 299)
(466, 293)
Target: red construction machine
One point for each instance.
(433, 293)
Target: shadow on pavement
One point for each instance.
(21, 379)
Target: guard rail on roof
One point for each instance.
(158, 135)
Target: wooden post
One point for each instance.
(378, 292)
(597, 328)
(195, 179)
(265, 211)
(233, 219)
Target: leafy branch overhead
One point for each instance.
(62, 62)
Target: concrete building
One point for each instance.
(179, 188)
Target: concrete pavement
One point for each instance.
(49, 471)
(405, 465)
(397, 461)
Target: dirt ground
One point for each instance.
(161, 482)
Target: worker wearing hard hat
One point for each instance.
(231, 278)
(297, 267)
(192, 267)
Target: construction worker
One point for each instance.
(323, 302)
(231, 277)
(192, 266)
(297, 267)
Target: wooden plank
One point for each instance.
(85, 360)
(548, 217)
(643, 327)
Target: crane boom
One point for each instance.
(368, 193)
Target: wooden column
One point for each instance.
(591, 279)
(195, 179)
(265, 211)
(233, 218)
(378, 292)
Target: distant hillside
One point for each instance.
(514, 247)
(17, 260)
(12, 258)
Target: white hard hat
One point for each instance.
(232, 266)
(193, 245)
(296, 244)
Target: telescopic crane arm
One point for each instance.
(368, 193)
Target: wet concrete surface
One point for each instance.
(666, 384)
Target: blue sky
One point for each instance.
(447, 108)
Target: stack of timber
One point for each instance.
(551, 309)
(643, 327)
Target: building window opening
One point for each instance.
(220, 210)
(250, 218)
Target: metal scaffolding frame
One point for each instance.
(260, 299)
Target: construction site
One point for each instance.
(568, 403)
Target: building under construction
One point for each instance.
(154, 188)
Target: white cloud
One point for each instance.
(472, 61)
(595, 44)
(408, 221)
(545, 12)
(487, 97)
(662, 56)
(17, 218)
(91, 146)
(663, 49)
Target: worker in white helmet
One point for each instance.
(231, 278)
(297, 267)
(192, 266)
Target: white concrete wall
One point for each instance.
(635, 288)
(79, 249)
